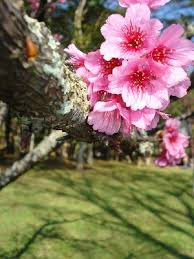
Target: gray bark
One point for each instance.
(43, 87)
(3, 112)
(20, 167)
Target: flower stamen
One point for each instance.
(134, 38)
(141, 78)
(161, 54)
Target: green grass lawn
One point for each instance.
(111, 211)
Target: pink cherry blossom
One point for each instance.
(100, 69)
(140, 85)
(130, 36)
(172, 49)
(145, 119)
(179, 90)
(51, 6)
(90, 68)
(77, 59)
(110, 117)
(95, 96)
(151, 3)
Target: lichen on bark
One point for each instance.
(53, 64)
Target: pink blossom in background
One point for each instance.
(58, 37)
(172, 125)
(173, 144)
(165, 159)
(151, 3)
(131, 36)
(34, 4)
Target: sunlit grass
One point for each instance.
(111, 211)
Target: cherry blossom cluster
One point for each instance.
(137, 69)
(173, 144)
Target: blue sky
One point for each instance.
(175, 9)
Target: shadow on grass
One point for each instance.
(148, 192)
(46, 231)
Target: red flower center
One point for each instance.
(173, 138)
(141, 78)
(109, 65)
(134, 38)
(161, 53)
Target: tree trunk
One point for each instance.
(79, 14)
(32, 142)
(64, 152)
(35, 81)
(20, 167)
(90, 154)
(3, 112)
(80, 155)
(9, 133)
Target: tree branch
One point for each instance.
(42, 86)
(20, 167)
(186, 116)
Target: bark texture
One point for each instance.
(35, 81)
(20, 167)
